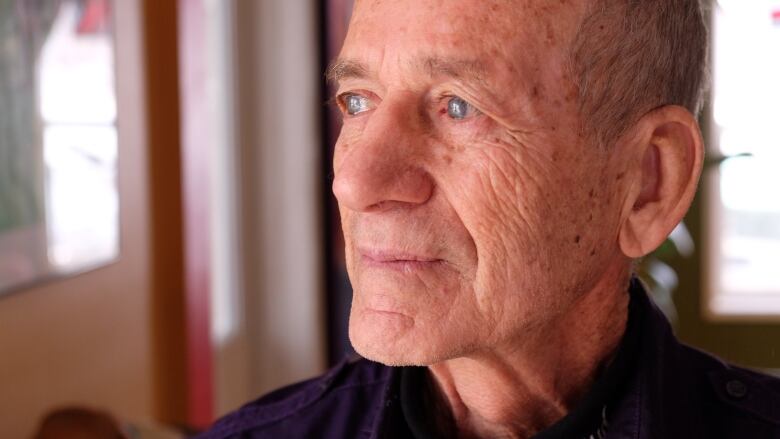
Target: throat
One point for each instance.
(529, 394)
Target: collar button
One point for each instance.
(736, 389)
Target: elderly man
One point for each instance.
(500, 166)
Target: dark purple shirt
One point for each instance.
(664, 390)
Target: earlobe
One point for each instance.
(668, 170)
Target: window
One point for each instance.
(743, 270)
(59, 205)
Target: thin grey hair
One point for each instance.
(632, 56)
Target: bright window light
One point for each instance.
(78, 111)
(744, 216)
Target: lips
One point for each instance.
(397, 260)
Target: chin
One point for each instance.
(382, 337)
(389, 357)
(394, 339)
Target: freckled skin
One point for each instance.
(505, 199)
(503, 185)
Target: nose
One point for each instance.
(383, 167)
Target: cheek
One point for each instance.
(504, 199)
(499, 206)
(527, 217)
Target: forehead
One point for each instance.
(498, 34)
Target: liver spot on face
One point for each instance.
(550, 34)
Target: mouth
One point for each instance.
(398, 261)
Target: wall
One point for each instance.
(278, 106)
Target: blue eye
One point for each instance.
(458, 108)
(355, 104)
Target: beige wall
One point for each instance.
(279, 142)
(87, 339)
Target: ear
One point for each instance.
(666, 169)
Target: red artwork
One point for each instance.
(94, 18)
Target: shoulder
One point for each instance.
(685, 392)
(738, 400)
(339, 403)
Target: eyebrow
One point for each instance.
(341, 69)
(454, 68)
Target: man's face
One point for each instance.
(473, 210)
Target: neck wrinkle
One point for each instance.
(517, 393)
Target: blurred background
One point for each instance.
(169, 245)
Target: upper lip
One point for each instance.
(376, 255)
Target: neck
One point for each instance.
(517, 390)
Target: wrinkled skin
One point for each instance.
(517, 211)
(483, 246)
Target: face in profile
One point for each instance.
(468, 195)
